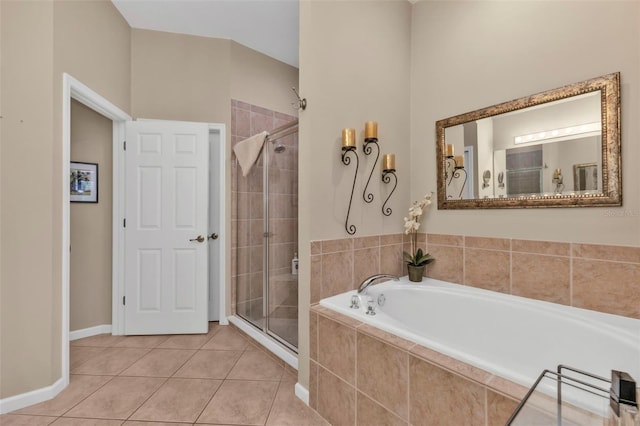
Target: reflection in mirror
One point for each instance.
(557, 148)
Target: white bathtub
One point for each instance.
(509, 336)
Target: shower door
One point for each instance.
(282, 239)
(266, 232)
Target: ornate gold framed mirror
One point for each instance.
(559, 148)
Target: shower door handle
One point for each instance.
(213, 236)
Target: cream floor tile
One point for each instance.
(81, 354)
(185, 341)
(100, 340)
(178, 400)
(79, 388)
(118, 399)
(209, 364)
(288, 410)
(64, 421)
(240, 402)
(136, 423)
(20, 420)
(256, 365)
(159, 363)
(141, 341)
(111, 361)
(227, 339)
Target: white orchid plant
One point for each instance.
(411, 225)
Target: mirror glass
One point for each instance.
(557, 148)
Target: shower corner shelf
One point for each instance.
(570, 398)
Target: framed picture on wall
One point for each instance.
(84, 182)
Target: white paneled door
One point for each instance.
(166, 281)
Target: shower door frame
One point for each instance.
(274, 135)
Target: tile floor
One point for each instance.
(220, 378)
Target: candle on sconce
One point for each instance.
(459, 161)
(388, 162)
(371, 130)
(449, 150)
(348, 138)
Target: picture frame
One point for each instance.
(83, 182)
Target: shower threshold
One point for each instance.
(266, 340)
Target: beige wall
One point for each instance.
(355, 67)
(260, 80)
(90, 263)
(26, 173)
(40, 41)
(180, 77)
(468, 55)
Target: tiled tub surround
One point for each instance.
(603, 278)
(248, 219)
(362, 375)
(511, 337)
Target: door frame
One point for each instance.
(74, 89)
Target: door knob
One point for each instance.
(199, 239)
(213, 236)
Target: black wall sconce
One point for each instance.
(349, 146)
(388, 170)
(370, 138)
(455, 170)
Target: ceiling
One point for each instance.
(268, 26)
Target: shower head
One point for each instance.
(279, 148)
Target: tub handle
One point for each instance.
(370, 307)
(355, 302)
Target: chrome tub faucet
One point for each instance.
(362, 289)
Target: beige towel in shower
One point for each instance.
(248, 150)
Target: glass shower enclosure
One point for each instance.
(265, 221)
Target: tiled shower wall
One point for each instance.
(362, 375)
(248, 218)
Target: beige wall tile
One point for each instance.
(382, 374)
(606, 252)
(372, 413)
(445, 240)
(451, 364)
(499, 408)
(315, 279)
(342, 244)
(389, 239)
(488, 269)
(336, 399)
(388, 338)
(541, 277)
(366, 262)
(316, 247)
(448, 263)
(437, 395)
(391, 259)
(541, 247)
(313, 384)
(488, 243)
(607, 287)
(366, 242)
(337, 273)
(337, 348)
(313, 336)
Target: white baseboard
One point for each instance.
(302, 393)
(26, 399)
(88, 332)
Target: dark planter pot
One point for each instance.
(416, 273)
